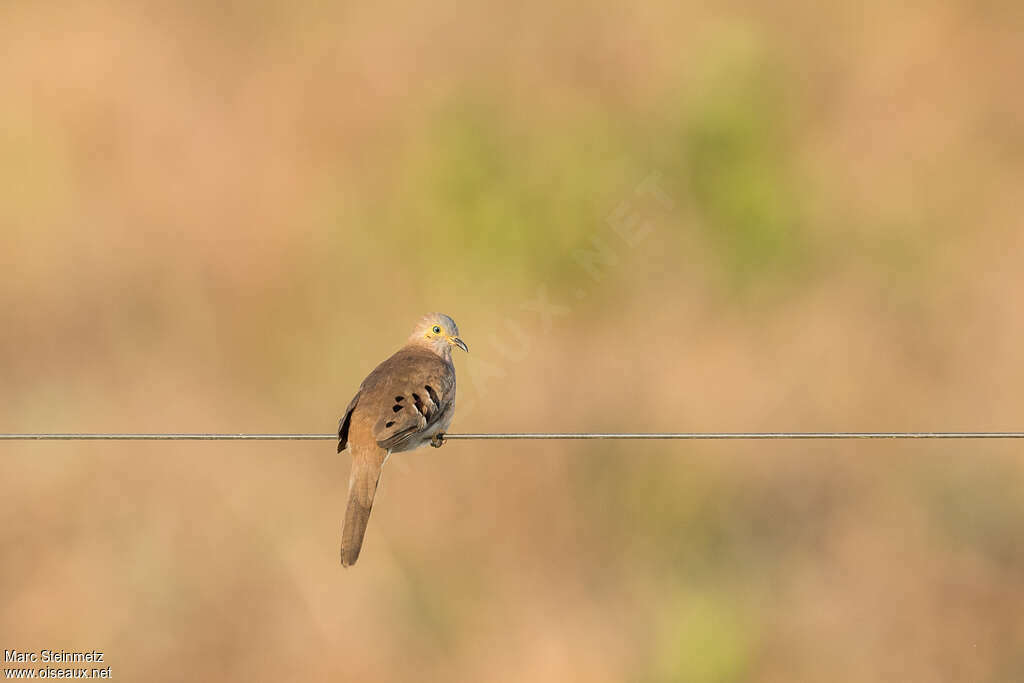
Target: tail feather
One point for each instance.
(362, 485)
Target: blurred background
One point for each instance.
(752, 216)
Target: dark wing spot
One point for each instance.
(419, 404)
(389, 423)
(433, 395)
(399, 399)
(396, 407)
(344, 423)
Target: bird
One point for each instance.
(406, 402)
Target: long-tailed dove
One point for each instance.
(406, 402)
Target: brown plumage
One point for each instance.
(406, 402)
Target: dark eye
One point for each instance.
(437, 329)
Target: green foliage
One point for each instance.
(703, 638)
(521, 199)
(509, 200)
(733, 143)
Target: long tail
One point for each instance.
(362, 485)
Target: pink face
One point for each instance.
(439, 332)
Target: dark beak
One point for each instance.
(461, 344)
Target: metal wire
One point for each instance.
(687, 436)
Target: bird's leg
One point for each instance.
(438, 440)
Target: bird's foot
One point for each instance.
(438, 440)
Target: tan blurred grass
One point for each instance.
(221, 218)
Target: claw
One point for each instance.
(438, 440)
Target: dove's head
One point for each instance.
(439, 333)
